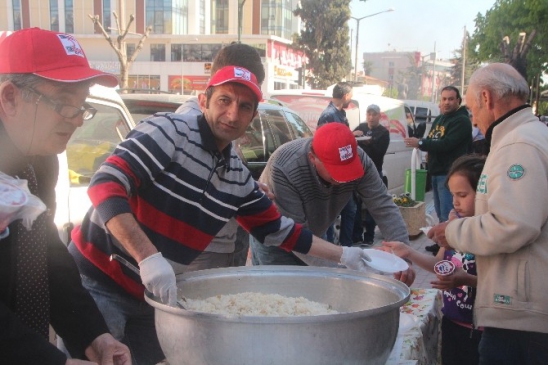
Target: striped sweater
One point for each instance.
(182, 191)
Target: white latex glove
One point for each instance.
(353, 258)
(158, 277)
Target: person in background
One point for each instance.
(460, 338)
(449, 138)
(44, 81)
(313, 178)
(509, 232)
(335, 113)
(231, 245)
(162, 196)
(375, 146)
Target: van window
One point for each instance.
(422, 114)
(92, 143)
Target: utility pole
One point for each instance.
(358, 36)
(434, 75)
(240, 18)
(464, 41)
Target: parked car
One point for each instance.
(88, 147)
(309, 104)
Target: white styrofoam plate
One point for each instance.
(385, 262)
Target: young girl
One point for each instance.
(460, 339)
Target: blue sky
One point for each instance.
(415, 25)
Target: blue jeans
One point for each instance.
(348, 215)
(508, 347)
(129, 320)
(443, 200)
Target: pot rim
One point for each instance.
(388, 283)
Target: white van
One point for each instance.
(424, 112)
(88, 147)
(310, 104)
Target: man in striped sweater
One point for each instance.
(165, 193)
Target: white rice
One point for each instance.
(258, 304)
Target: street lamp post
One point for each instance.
(358, 36)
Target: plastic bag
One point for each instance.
(17, 202)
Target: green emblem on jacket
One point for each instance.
(482, 184)
(502, 299)
(515, 172)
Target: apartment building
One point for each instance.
(185, 36)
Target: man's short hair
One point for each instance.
(500, 78)
(242, 55)
(341, 89)
(452, 88)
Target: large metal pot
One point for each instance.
(363, 332)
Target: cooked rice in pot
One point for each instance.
(258, 304)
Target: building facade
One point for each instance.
(185, 36)
(410, 74)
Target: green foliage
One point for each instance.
(509, 18)
(404, 200)
(391, 92)
(324, 39)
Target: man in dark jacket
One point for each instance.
(449, 138)
(44, 81)
(374, 139)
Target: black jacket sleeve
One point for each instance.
(73, 313)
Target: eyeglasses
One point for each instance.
(65, 110)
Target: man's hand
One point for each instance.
(105, 350)
(158, 277)
(411, 142)
(266, 190)
(437, 234)
(353, 258)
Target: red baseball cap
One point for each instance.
(336, 147)
(51, 55)
(239, 75)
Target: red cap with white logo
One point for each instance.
(335, 146)
(51, 55)
(239, 75)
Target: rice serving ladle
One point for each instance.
(180, 298)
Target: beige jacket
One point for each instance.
(509, 234)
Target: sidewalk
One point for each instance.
(423, 277)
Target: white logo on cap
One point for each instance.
(72, 47)
(345, 152)
(242, 74)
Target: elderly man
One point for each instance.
(312, 184)
(44, 81)
(163, 195)
(509, 234)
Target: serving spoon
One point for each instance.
(129, 265)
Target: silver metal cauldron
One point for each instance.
(363, 332)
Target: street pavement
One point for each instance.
(423, 277)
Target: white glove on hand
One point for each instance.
(353, 258)
(158, 277)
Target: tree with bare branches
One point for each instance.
(119, 44)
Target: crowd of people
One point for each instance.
(175, 197)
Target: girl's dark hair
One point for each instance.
(469, 166)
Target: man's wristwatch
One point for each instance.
(420, 142)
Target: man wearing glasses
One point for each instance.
(44, 81)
